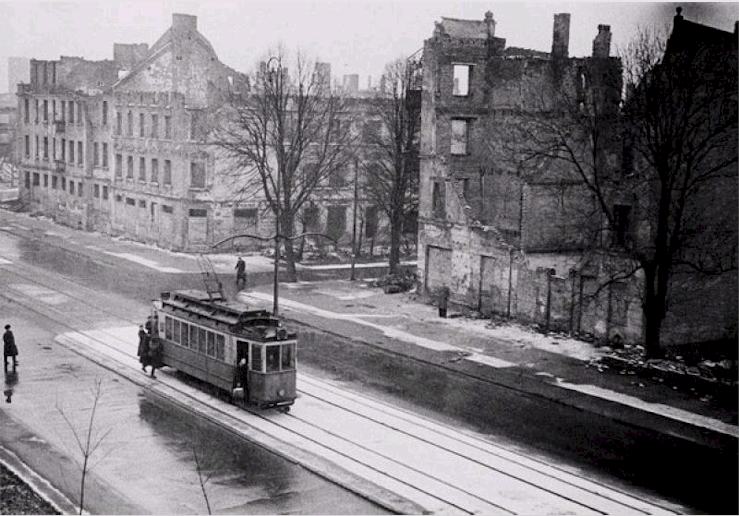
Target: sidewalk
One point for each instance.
(552, 366)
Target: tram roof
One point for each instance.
(199, 302)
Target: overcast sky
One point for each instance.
(354, 36)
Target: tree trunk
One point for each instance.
(286, 226)
(654, 300)
(394, 260)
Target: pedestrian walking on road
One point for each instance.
(155, 354)
(143, 351)
(240, 272)
(9, 348)
(443, 301)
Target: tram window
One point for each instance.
(211, 351)
(202, 342)
(273, 359)
(176, 331)
(288, 357)
(220, 347)
(168, 328)
(184, 334)
(256, 358)
(194, 337)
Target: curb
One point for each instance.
(40, 486)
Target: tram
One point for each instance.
(246, 352)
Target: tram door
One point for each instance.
(242, 353)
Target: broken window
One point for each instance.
(142, 169)
(167, 180)
(461, 80)
(244, 219)
(621, 224)
(310, 219)
(438, 201)
(197, 174)
(336, 222)
(154, 170)
(460, 131)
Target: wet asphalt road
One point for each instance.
(150, 457)
(701, 480)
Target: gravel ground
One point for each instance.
(17, 498)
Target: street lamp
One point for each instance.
(276, 90)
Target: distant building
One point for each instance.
(117, 146)
(8, 109)
(18, 72)
(351, 85)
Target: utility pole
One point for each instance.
(354, 217)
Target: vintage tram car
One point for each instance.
(246, 352)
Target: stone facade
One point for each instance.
(119, 146)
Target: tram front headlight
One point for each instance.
(281, 392)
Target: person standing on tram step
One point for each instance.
(244, 378)
(155, 354)
(143, 351)
(9, 348)
(240, 272)
(443, 300)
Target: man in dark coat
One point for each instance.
(155, 354)
(9, 348)
(240, 272)
(143, 351)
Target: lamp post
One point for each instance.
(275, 82)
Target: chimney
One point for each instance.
(561, 36)
(490, 22)
(184, 21)
(602, 42)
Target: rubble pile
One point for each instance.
(708, 377)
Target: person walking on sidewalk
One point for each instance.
(240, 272)
(143, 351)
(443, 300)
(9, 348)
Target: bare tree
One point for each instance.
(681, 120)
(390, 140)
(658, 171)
(284, 139)
(87, 442)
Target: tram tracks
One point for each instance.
(434, 465)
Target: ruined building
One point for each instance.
(120, 147)
(117, 146)
(504, 238)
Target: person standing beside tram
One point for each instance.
(155, 354)
(143, 350)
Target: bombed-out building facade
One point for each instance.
(504, 240)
